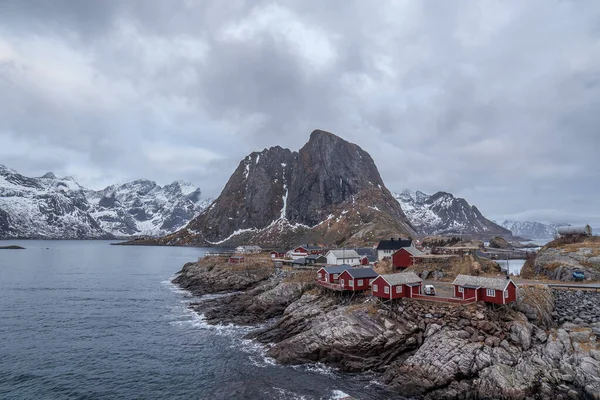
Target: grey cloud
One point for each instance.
(497, 102)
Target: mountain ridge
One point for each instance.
(49, 207)
(443, 214)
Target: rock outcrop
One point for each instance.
(498, 242)
(558, 260)
(329, 191)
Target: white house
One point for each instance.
(339, 257)
(387, 248)
(248, 249)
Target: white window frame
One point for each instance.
(399, 289)
(351, 282)
(506, 294)
(335, 276)
(461, 289)
(375, 287)
(490, 292)
(360, 282)
(342, 282)
(386, 289)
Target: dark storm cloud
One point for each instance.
(493, 101)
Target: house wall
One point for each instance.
(512, 293)
(347, 278)
(333, 278)
(402, 259)
(321, 275)
(364, 261)
(415, 289)
(482, 296)
(381, 254)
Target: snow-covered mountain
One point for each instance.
(46, 207)
(142, 207)
(529, 229)
(442, 213)
(59, 208)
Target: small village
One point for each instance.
(354, 270)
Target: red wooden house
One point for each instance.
(308, 250)
(277, 254)
(395, 286)
(331, 274)
(236, 259)
(405, 257)
(490, 290)
(357, 279)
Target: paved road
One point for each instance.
(445, 289)
(520, 281)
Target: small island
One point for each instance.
(12, 247)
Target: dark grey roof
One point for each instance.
(358, 273)
(370, 253)
(338, 269)
(299, 261)
(309, 247)
(481, 281)
(394, 244)
(315, 256)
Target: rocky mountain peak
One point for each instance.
(49, 175)
(277, 191)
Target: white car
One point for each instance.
(429, 290)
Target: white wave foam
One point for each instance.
(286, 394)
(257, 353)
(338, 394)
(318, 368)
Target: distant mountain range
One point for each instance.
(59, 208)
(530, 230)
(444, 214)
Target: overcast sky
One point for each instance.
(497, 102)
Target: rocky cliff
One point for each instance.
(329, 191)
(442, 214)
(418, 348)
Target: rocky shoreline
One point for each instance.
(418, 348)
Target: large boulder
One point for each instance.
(498, 242)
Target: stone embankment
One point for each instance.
(580, 307)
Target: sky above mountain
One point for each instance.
(493, 101)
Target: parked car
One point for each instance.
(429, 290)
(578, 275)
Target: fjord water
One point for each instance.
(86, 320)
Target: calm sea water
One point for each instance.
(86, 320)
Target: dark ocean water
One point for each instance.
(86, 320)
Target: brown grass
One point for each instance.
(300, 277)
